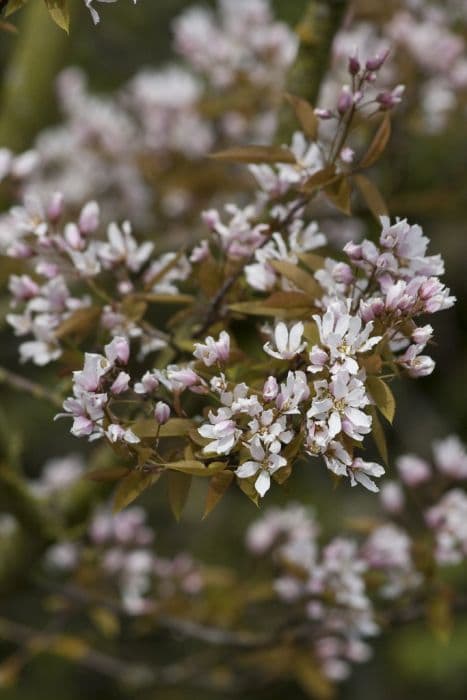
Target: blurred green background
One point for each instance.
(424, 178)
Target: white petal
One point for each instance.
(263, 483)
(247, 469)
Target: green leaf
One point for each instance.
(338, 192)
(313, 261)
(80, 323)
(372, 196)
(320, 179)
(260, 308)
(179, 488)
(149, 428)
(256, 154)
(378, 435)
(383, 396)
(131, 487)
(13, 6)
(302, 279)
(218, 486)
(311, 679)
(378, 144)
(195, 468)
(60, 13)
(305, 114)
(288, 300)
(165, 298)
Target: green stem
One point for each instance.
(27, 91)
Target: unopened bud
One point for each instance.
(162, 412)
(354, 65)
(55, 207)
(374, 64)
(345, 100)
(89, 218)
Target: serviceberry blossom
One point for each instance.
(213, 351)
(450, 457)
(263, 462)
(448, 519)
(343, 337)
(288, 342)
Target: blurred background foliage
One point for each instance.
(424, 177)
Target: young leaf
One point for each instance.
(260, 308)
(60, 13)
(338, 192)
(305, 114)
(256, 154)
(131, 487)
(12, 6)
(179, 488)
(378, 436)
(320, 179)
(217, 488)
(288, 300)
(372, 196)
(165, 298)
(81, 322)
(378, 144)
(382, 396)
(149, 428)
(302, 279)
(195, 468)
(313, 261)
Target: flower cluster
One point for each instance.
(67, 255)
(123, 557)
(331, 583)
(116, 146)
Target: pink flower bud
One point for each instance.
(353, 250)
(353, 65)
(118, 350)
(121, 383)
(388, 99)
(422, 335)
(89, 218)
(186, 376)
(162, 412)
(200, 252)
(323, 113)
(345, 101)
(374, 64)
(342, 273)
(270, 389)
(55, 207)
(421, 366)
(210, 218)
(125, 287)
(369, 310)
(73, 237)
(347, 155)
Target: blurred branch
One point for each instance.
(27, 90)
(38, 525)
(16, 381)
(316, 31)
